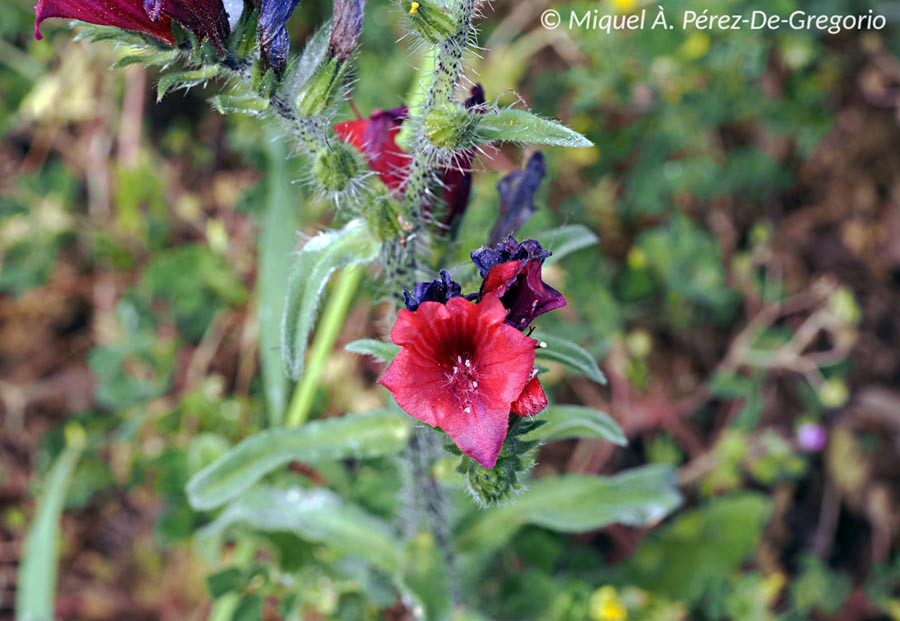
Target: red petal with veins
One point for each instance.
(125, 14)
(460, 368)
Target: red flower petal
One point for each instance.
(460, 368)
(125, 14)
(376, 138)
(532, 400)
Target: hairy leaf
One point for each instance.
(511, 125)
(372, 347)
(576, 421)
(313, 267)
(570, 355)
(354, 435)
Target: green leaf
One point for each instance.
(355, 435)
(567, 239)
(569, 354)
(576, 421)
(372, 347)
(713, 541)
(511, 125)
(425, 576)
(324, 253)
(184, 79)
(576, 503)
(277, 240)
(38, 569)
(317, 515)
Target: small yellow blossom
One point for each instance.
(606, 606)
(414, 8)
(624, 6)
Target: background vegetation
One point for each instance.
(742, 301)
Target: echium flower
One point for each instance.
(206, 19)
(461, 368)
(464, 364)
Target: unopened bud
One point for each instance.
(451, 126)
(336, 167)
(346, 24)
(434, 23)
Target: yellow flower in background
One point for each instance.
(606, 605)
(623, 6)
(695, 46)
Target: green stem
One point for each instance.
(328, 330)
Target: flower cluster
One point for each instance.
(465, 363)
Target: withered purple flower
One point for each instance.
(272, 33)
(435, 291)
(512, 272)
(517, 190)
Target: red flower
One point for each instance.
(461, 368)
(125, 14)
(207, 19)
(376, 138)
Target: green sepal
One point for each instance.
(185, 79)
(324, 89)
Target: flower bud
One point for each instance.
(451, 126)
(323, 89)
(433, 23)
(336, 167)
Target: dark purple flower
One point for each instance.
(207, 19)
(434, 291)
(124, 14)
(272, 33)
(517, 190)
(512, 273)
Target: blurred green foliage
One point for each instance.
(688, 126)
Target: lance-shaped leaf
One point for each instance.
(377, 349)
(569, 354)
(37, 571)
(316, 515)
(184, 79)
(511, 125)
(576, 503)
(275, 245)
(313, 267)
(576, 421)
(352, 436)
